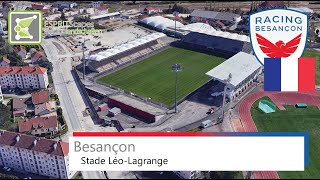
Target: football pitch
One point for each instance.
(316, 54)
(153, 77)
(293, 120)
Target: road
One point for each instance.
(69, 111)
(71, 101)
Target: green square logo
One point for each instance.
(25, 27)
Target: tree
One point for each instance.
(134, 2)
(16, 60)
(45, 63)
(223, 174)
(63, 16)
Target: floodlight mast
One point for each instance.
(176, 68)
(227, 81)
(83, 58)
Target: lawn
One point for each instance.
(316, 54)
(153, 78)
(294, 120)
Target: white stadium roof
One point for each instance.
(240, 66)
(302, 9)
(124, 47)
(104, 15)
(160, 22)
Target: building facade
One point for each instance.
(1, 95)
(35, 155)
(24, 77)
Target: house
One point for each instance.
(39, 126)
(37, 6)
(21, 51)
(101, 10)
(42, 109)
(36, 155)
(152, 10)
(40, 97)
(4, 61)
(63, 5)
(25, 77)
(36, 56)
(19, 106)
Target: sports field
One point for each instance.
(153, 78)
(316, 54)
(293, 120)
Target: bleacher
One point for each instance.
(125, 57)
(215, 45)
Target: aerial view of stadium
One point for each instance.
(159, 90)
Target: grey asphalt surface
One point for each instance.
(60, 85)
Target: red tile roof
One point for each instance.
(153, 8)
(102, 8)
(37, 6)
(23, 70)
(40, 97)
(42, 107)
(18, 103)
(37, 55)
(37, 123)
(5, 60)
(27, 142)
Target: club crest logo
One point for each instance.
(278, 33)
(278, 39)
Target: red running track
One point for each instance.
(279, 98)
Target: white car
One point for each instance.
(7, 169)
(216, 94)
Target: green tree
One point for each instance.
(16, 59)
(63, 16)
(223, 174)
(45, 63)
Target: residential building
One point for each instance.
(21, 51)
(42, 109)
(31, 154)
(19, 106)
(36, 56)
(152, 10)
(101, 10)
(215, 18)
(25, 77)
(40, 97)
(39, 126)
(4, 61)
(62, 5)
(1, 95)
(96, 4)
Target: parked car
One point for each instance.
(7, 169)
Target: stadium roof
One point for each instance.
(124, 47)
(240, 66)
(104, 15)
(160, 22)
(302, 9)
(224, 16)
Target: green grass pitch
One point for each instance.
(294, 120)
(153, 78)
(316, 54)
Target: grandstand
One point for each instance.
(244, 69)
(111, 58)
(159, 23)
(220, 44)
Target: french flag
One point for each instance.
(285, 74)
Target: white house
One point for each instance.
(25, 77)
(101, 10)
(152, 10)
(31, 154)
